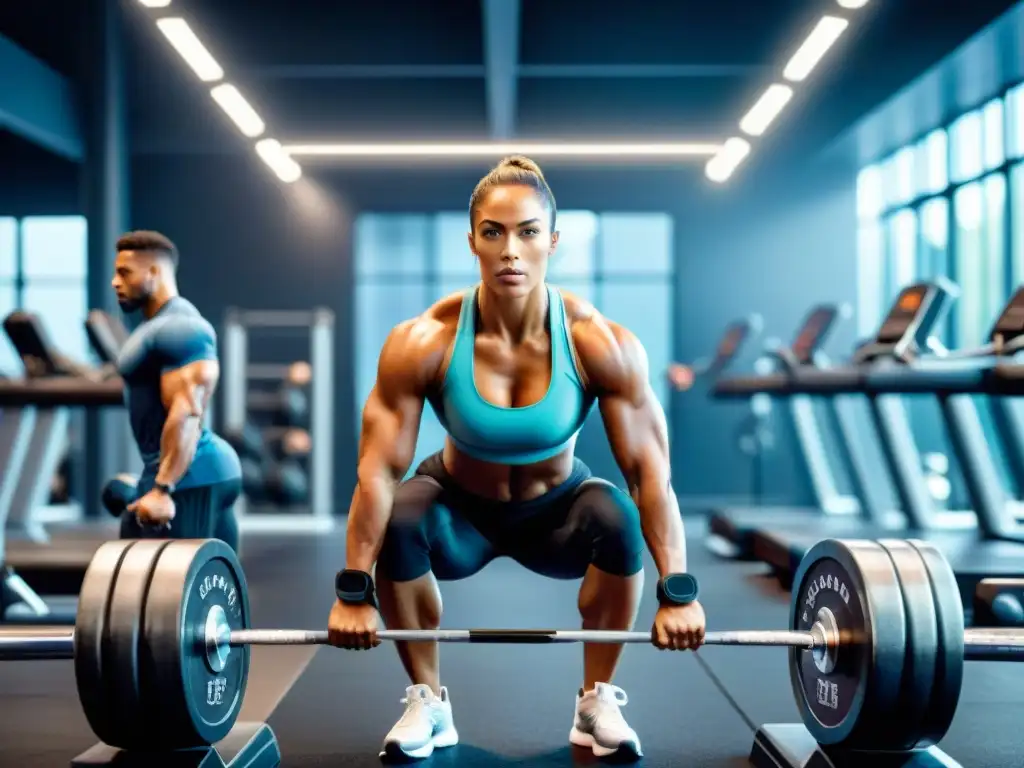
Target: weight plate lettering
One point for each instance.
(197, 703)
(949, 666)
(920, 658)
(853, 704)
(121, 639)
(90, 621)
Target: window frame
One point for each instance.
(1006, 168)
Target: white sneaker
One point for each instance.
(599, 723)
(426, 723)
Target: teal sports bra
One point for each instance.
(523, 435)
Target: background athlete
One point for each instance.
(170, 369)
(512, 368)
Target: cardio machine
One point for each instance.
(34, 424)
(898, 364)
(731, 530)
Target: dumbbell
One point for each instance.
(118, 493)
(282, 482)
(286, 483)
(287, 404)
(288, 443)
(999, 602)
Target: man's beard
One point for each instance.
(131, 305)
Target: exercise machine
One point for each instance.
(993, 547)
(34, 425)
(910, 324)
(731, 530)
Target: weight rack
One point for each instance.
(238, 372)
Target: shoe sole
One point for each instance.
(394, 752)
(629, 750)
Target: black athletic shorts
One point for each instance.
(437, 526)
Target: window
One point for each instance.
(931, 167)
(870, 193)
(903, 176)
(979, 210)
(620, 262)
(451, 244)
(933, 250)
(636, 284)
(1017, 222)
(54, 264)
(636, 243)
(43, 269)
(902, 248)
(870, 248)
(1015, 123)
(391, 245)
(9, 362)
(961, 216)
(577, 246)
(993, 147)
(870, 277)
(966, 137)
(8, 250)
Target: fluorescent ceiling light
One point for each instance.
(814, 47)
(155, 3)
(238, 109)
(492, 149)
(271, 152)
(185, 42)
(721, 166)
(853, 5)
(766, 109)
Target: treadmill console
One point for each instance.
(730, 344)
(916, 313)
(26, 332)
(1010, 324)
(813, 332)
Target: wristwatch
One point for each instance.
(355, 588)
(677, 589)
(164, 488)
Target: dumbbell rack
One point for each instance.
(237, 373)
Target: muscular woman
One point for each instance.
(512, 368)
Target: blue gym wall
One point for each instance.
(775, 255)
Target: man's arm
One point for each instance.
(186, 348)
(634, 421)
(185, 392)
(391, 423)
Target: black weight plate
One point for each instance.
(90, 621)
(198, 705)
(131, 711)
(949, 667)
(852, 706)
(922, 644)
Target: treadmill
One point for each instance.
(995, 547)
(738, 334)
(730, 531)
(910, 323)
(34, 423)
(107, 335)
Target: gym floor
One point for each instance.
(513, 704)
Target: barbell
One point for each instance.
(162, 636)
